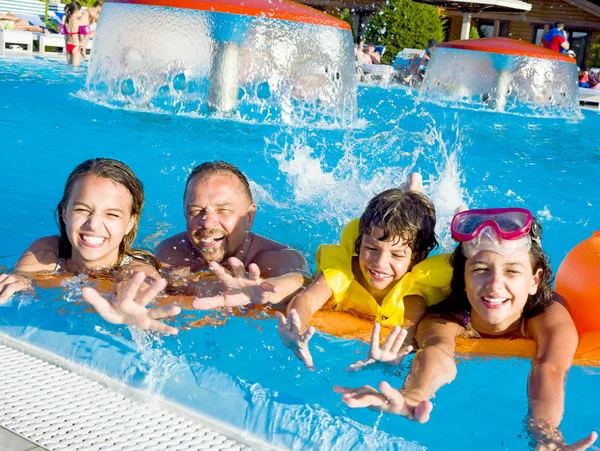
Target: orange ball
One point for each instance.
(578, 281)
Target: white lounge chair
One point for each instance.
(50, 40)
(16, 41)
(588, 95)
(377, 72)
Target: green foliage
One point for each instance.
(594, 58)
(51, 25)
(402, 23)
(346, 16)
(474, 33)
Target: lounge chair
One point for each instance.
(380, 73)
(54, 40)
(587, 95)
(16, 41)
(405, 56)
(380, 49)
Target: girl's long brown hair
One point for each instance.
(123, 175)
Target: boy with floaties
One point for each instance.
(379, 270)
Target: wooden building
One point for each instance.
(581, 18)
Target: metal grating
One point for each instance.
(59, 409)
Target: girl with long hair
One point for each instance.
(97, 218)
(500, 288)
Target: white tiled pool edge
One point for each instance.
(59, 405)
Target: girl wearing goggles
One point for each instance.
(500, 288)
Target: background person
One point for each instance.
(9, 21)
(88, 18)
(72, 24)
(556, 38)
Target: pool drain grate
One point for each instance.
(59, 409)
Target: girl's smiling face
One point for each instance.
(498, 288)
(382, 263)
(97, 217)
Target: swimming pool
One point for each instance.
(308, 181)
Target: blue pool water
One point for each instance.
(308, 180)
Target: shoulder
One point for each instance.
(41, 255)
(554, 334)
(275, 259)
(139, 265)
(555, 318)
(174, 250)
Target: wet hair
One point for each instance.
(432, 43)
(536, 303)
(559, 24)
(119, 173)
(98, 3)
(211, 168)
(403, 215)
(71, 9)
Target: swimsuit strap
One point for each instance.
(126, 260)
(59, 263)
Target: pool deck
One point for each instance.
(14, 442)
(48, 402)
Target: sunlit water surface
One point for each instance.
(308, 181)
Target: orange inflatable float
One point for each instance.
(348, 326)
(577, 281)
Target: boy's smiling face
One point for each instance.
(383, 263)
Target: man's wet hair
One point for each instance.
(218, 167)
(406, 216)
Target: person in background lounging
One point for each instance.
(419, 66)
(72, 23)
(375, 56)
(88, 17)
(361, 56)
(588, 80)
(9, 21)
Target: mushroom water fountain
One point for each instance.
(271, 60)
(503, 75)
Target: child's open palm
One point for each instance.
(391, 352)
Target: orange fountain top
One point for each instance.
(508, 47)
(272, 9)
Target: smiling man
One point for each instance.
(219, 212)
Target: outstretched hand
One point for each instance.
(389, 400)
(584, 443)
(289, 332)
(549, 438)
(11, 284)
(130, 306)
(391, 352)
(241, 288)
